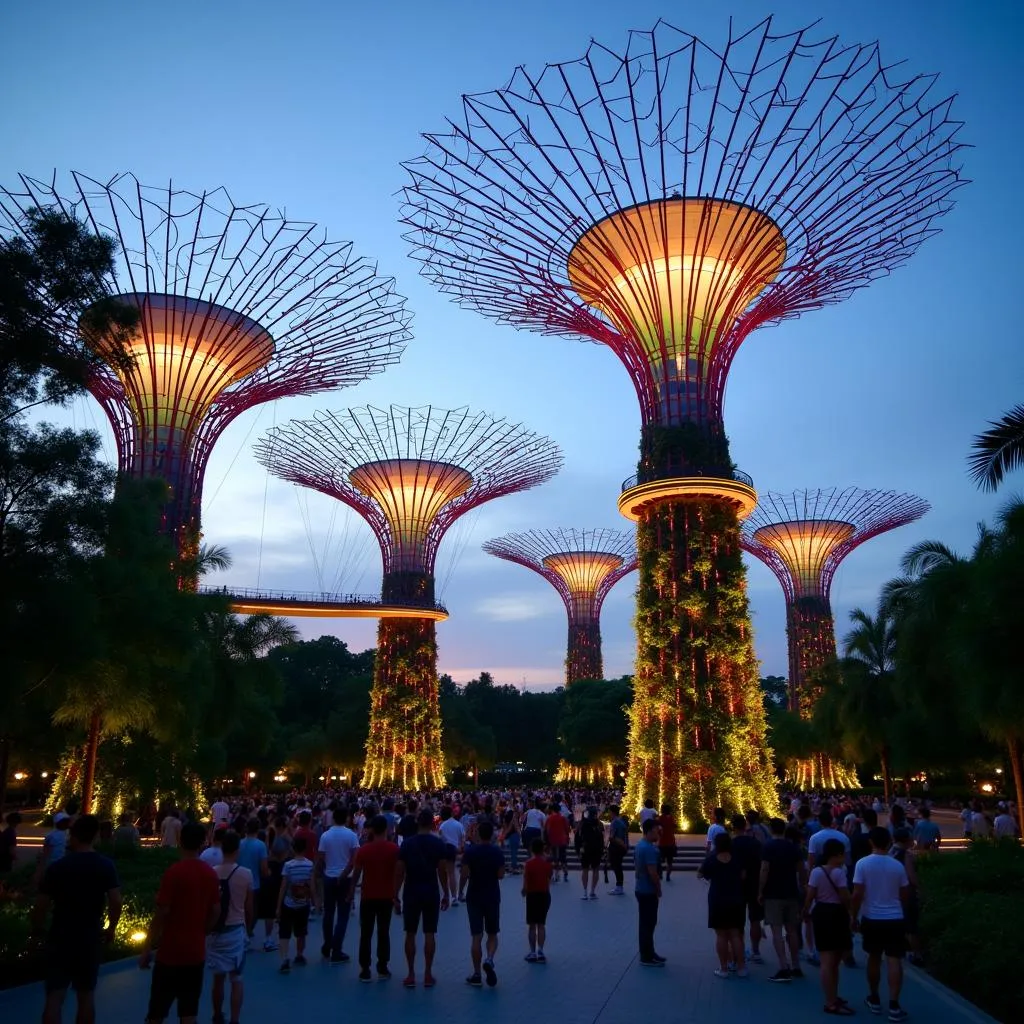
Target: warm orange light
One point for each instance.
(410, 493)
(742, 496)
(301, 609)
(673, 273)
(185, 352)
(804, 546)
(583, 572)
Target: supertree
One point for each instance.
(238, 305)
(665, 202)
(410, 473)
(582, 565)
(803, 537)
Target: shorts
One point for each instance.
(537, 906)
(755, 910)
(590, 858)
(413, 907)
(483, 917)
(181, 982)
(225, 951)
(294, 921)
(728, 917)
(668, 854)
(450, 853)
(77, 966)
(831, 928)
(883, 938)
(783, 914)
(911, 914)
(266, 896)
(559, 854)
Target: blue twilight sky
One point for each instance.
(310, 106)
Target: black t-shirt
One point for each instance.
(726, 888)
(407, 827)
(591, 835)
(484, 861)
(747, 850)
(421, 854)
(783, 859)
(78, 884)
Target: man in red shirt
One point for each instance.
(537, 890)
(375, 864)
(187, 907)
(556, 833)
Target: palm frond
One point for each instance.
(927, 556)
(998, 451)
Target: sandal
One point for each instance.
(410, 981)
(840, 1010)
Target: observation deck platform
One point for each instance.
(727, 484)
(323, 605)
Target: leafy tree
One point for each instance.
(593, 725)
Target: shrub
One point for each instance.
(972, 904)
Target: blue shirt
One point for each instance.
(251, 852)
(926, 832)
(646, 853)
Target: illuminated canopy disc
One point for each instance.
(184, 353)
(410, 493)
(672, 275)
(804, 546)
(583, 573)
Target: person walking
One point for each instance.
(226, 946)
(782, 877)
(618, 846)
(454, 837)
(421, 876)
(556, 834)
(533, 823)
(295, 899)
(374, 864)
(537, 892)
(726, 906)
(510, 833)
(336, 848)
(880, 888)
(827, 907)
(927, 835)
(483, 864)
(78, 888)
(187, 907)
(647, 858)
(591, 840)
(253, 855)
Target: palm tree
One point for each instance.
(999, 450)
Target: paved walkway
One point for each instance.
(591, 976)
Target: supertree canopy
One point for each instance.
(582, 565)
(664, 202)
(237, 306)
(410, 473)
(802, 537)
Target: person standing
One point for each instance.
(591, 838)
(219, 812)
(227, 944)
(212, 855)
(827, 907)
(421, 876)
(880, 888)
(375, 864)
(647, 858)
(484, 866)
(170, 830)
(252, 854)
(726, 906)
(667, 839)
(187, 907)
(533, 824)
(717, 827)
(335, 851)
(510, 833)
(1004, 827)
(618, 846)
(55, 843)
(9, 842)
(294, 904)
(453, 835)
(556, 834)
(746, 849)
(927, 835)
(537, 891)
(78, 887)
(782, 877)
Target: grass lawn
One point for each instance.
(139, 872)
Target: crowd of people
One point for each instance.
(272, 872)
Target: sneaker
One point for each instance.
(652, 963)
(796, 973)
(719, 973)
(341, 958)
(782, 975)
(383, 974)
(270, 946)
(593, 895)
(617, 891)
(285, 967)
(325, 951)
(874, 1004)
(530, 958)
(585, 896)
(755, 958)
(475, 980)
(541, 958)
(897, 1013)
(492, 976)
(299, 961)
(364, 974)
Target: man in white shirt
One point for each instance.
(219, 812)
(454, 837)
(826, 832)
(213, 854)
(880, 888)
(337, 846)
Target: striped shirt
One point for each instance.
(297, 879)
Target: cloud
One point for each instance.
(510, 608)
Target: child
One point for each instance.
(537, 889)
(294, 901)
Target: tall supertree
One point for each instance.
(665, 202)
(237, 306)
(410, 473)
(582, 565)
(803, 537)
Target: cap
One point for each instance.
(59, 817)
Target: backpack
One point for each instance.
(225, 901)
